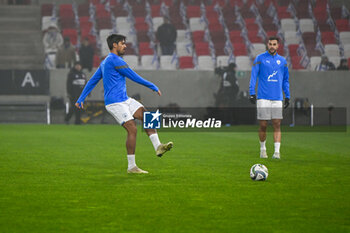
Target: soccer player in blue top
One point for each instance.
(114, 70)
(272, 71)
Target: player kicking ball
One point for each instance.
(273, 74)
(113, 70)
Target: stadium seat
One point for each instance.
(258, 48)
(168, 62)
(142, 36)
(288, 25)
(243, 63)
(46, 9)
(47, 21)
(239, 49)
(296, 63)
(101, 11)
(139, 11)
(130, 49)
(83, 9)
(306, 25)
(342, 25)
(157, 21)
(291, 37)
(198, 36)
(144, 49)
(184, 49)
(328, 37)
(219, 48)
(293, 49)
(123, 23)
(222, 61)
(336, 12)
(186, 62)
(235, 37)
(335, 60)
(193, 12)
(72, 34)
(103, 23)
(324, 26)
(196, 24)
(155, 10)
(66, 10)
(331, 50)
(66, 22)
(140, 24)
(205, 63)
(314, 61)
(347, 50)
(202, 48)
(149, 62)
(183, 36)
(344, 37)
(132, 61)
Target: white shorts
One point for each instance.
(124, 111)
(269, 109)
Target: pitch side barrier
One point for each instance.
(244, 119)
(24, 96)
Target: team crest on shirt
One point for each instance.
(278, 62)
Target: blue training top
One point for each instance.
(273, 74)
(113, 69)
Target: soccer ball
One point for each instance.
(259, 172)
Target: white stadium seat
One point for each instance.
(47, 21)
(123, 23)
(183, 36)
(149, 62)
(132, 61)
(288, 25)
(243, 63)
(306, 25)
(222, 61)
(196, 24)
(168, 62)
(184, 49)
(344, 37)
(157, 21)
(205, 63)
(331, 50)
(314, 61)
(347, 50)
(335, 60)
(104, 33)
(291, 37)
(258, 48)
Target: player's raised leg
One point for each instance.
(276, 123)
(159, 147)
(131, 129)
(262, 137)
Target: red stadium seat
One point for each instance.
(66, 22)
(296, 63)
(144, 49)
(66, 10)
(198, 36)
(193, 11)
(139, 11)
(293, 50)
(142, 36)
(46, 9)
(155, 10)
(202, 48)
(72, 34)
(342, 25)
(83, 9)
(235, 37)
(219, 48)
(104, 23)
(186, 62)
(328, 37)
(239, 49)
(140, 24)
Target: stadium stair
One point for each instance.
(21, 38)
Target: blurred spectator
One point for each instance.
(227, 93)
(52, 39)
(325, 65)
(166, 34)
(86, 54)
(66, 55)
(343, 65)
(76, 81)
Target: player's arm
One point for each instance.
(125, 70)
(253, 77)
(88, 87)
(285, 85)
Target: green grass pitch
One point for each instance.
(62, 178)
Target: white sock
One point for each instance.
(262, 145)
(131, 161)
(277, 147)
(155, 140)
